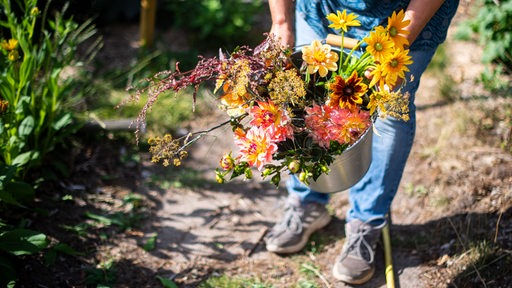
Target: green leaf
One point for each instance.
(23, 241)
(27, 67)
(101, 219)
(64, 121)
(22, 105)
(26, 127)
(7, 197)
(22, 192)
(24, 158)
(167, 283)
(107, 220)
(8, 274)
(150, 243)
(50, 257)
(66, 249)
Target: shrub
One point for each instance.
(215, 22)
(37, 82)
(493, 27)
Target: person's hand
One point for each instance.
(284, 33)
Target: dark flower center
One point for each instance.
(348, 90)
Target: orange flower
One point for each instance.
(342, 20)
(396, 29)
(234, 101)
(320, 58)
(267, 114)
(347, 93)
(4, 104)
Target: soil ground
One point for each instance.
(456, 193)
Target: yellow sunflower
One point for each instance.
(396, 29)
(319, 58)
(342, 20)
(379, 44)
(395, 66)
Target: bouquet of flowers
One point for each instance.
(294, 110)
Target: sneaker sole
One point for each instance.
(315, 226)
(350, 280)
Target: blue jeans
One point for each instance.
(372, 196)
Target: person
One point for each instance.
(300, 22)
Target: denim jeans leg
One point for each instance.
(372, 195)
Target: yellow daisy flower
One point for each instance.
(377, 76)
(9, 45)
(320, 58)
(396, 29)
(379, 44)
(342, 20)
(378, 100)
(395, 66)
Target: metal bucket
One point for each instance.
(348, 168)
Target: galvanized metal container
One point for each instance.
(348, 168)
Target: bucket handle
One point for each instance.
(335, 40)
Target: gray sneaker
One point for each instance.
(355, 264)
(291, 234)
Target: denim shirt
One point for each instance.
(372, 13)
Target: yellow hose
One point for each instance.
(390, 277)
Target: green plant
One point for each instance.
(493, 24)
(167, 283)
(39, 77)
(415, 191)
(214, 21)
(37, 81)
(17, 242)
(233, 282)
(317, 242)
(493, 27)
(103, 275)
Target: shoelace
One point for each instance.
(357, 239)
(291, 220)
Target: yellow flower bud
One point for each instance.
(303, 176)
(227, 162)
(13, 55)
(266, 172)
(34, 11)
(248, 173)
(219, 178)
(294, 166)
